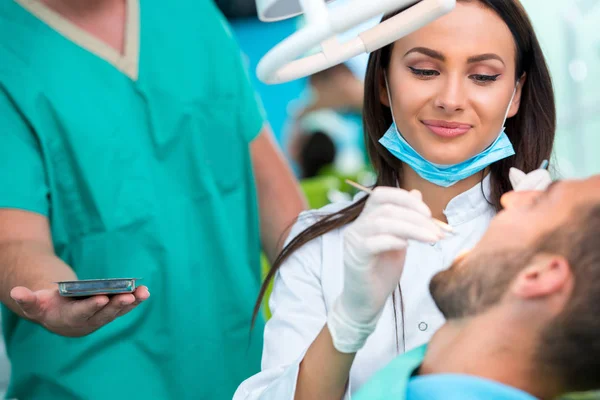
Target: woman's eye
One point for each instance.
(424, 72)
(485, 78)
(428, 73)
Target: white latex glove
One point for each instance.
(374, 253)
(538, 179)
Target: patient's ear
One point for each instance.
(546, 275)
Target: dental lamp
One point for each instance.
(285, 61)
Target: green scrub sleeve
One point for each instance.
(251, 112)
(23, 183)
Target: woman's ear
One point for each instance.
(383, 90)
(516, 103)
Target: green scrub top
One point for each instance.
(141, 163)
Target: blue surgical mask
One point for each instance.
(445, 175)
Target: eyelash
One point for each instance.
(424, 72)
(486, 78)
(430, 73)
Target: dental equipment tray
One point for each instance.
(91, 287)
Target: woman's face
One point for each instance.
(451, 83)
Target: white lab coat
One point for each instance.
(311, 279)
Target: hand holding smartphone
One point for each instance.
(78, 308)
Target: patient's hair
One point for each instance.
(570, 344)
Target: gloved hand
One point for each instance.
(374, 253)
(538, 179)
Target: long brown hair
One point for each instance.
(531, 130)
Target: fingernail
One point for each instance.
(434, 239)
(101, 303)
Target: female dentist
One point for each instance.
(436, 102)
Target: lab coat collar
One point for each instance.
(470, 204)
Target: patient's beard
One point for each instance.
(475, 283)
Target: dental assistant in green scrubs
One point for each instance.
(132, 145)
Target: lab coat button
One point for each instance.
(422, 326)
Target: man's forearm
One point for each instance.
(279, 195)
(280, 203)
(29, 264)
(279, 209)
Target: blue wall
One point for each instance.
(256, 38)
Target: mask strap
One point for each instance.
(510, 104)
(389, 95)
